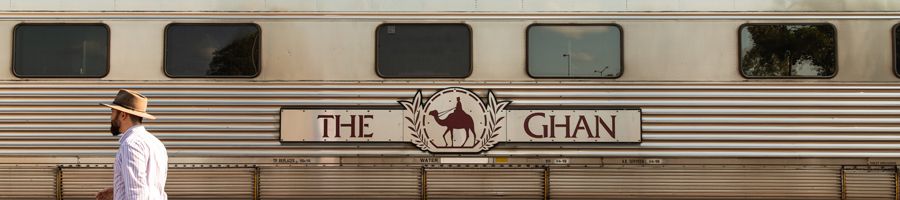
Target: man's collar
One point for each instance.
(130, 130)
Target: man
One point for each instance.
(139, 172)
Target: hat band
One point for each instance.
(129, 107)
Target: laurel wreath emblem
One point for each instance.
(415, 116)
(414, 109)
(494, 108)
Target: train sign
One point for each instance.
(456, 120)
(454, 111)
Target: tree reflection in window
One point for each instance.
(238, 58)
(787, 50)
(212, 50)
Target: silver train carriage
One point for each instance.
(573, 99)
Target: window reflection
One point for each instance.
(897, 50)
(61, 50)
(574, 51)
(212, 50)
(792, 50)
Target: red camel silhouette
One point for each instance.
(456, 120)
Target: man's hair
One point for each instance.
(135, 119)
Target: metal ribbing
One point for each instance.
(873, 183)
(695, 182)
(340, 183)
(21, 182)
(85, 182)
(183, 182)
(210, 183)
(680, 119)
(485, 183)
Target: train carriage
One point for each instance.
(531, 99)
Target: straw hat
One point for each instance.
(132, 103)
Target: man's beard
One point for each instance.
(114, 128)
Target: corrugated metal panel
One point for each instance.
(85, 182)
(870, 183)
(484, 183)
(695, 182)
(234, 118)
(210, 183)
(28, 182)
(182, 183)
(340, 183)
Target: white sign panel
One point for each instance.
(341, 125)
(458, 120)
(573, 126)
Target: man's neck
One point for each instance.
(128, 125)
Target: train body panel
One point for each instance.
(708, 131)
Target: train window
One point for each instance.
(61, 50)
(212, 50)
(574, 51)
(788, 51)
(423, 50)
(896, 38)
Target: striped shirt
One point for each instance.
(139, 172)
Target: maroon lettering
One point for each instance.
(357, 125)
(582, 124)
(325, 124)
(555, 125)
(572, 125)
(612, 132)
(339, 125)
(363, 125)
(528, 122)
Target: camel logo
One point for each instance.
(454, 120)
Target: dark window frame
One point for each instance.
(471, 51)
(621, 50)
(166, 43)
(836, 53)
(13, 48)
(894, 44)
